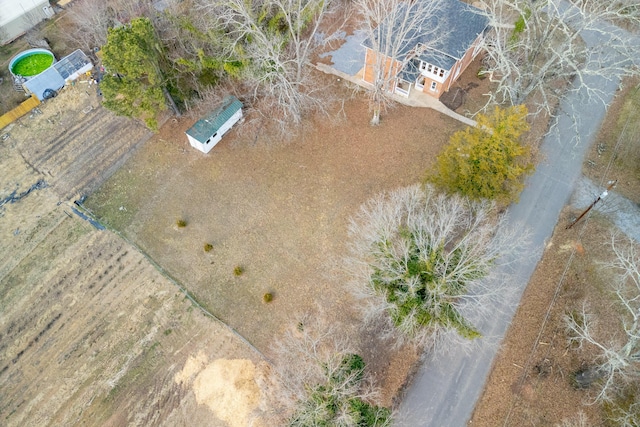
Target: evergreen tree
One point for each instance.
(134, 85)
(487, 161)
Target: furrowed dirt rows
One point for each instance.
(78, 147)
(90, 332)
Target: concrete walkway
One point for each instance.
(415, 98)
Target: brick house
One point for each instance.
(431, 61)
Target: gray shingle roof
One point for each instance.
(204, 128)
(458, 24)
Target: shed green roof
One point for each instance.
(204, 128)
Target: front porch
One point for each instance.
(415, 98)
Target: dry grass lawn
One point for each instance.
(279, 210)
(90, 332)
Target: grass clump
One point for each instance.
(208, 247)
(267, 298)
(181, 223)
(238, 270)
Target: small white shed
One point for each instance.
(207, 132)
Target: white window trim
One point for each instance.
(433, 72)
(434, 86)
(398, 88)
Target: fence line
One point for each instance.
(22, 109)
(182, 289)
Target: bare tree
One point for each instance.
(579, 420)
(279, 37)
(321, 381)
(124, 11)
(538, 47)
(628, 414)
(90, 21)
(429, 262)
(396, 30)
(617, 364)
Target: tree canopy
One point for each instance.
(134, 84)
(554, 48)
(320, 380)
(335, 402)
(487, 161)
(417, 255)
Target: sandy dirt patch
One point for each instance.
(229, 389)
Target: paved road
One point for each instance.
(445, 390)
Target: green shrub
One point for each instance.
(268, 297)
(330, 401)
(208, 247)
(181, 223)
(238, 270)
(487, 161)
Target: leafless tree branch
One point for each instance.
(554, 43)
(618, 357)
(429, 263)
(390, 26)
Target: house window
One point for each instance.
(434, 86)
(403, 87)
(430, 68)
(423, 65)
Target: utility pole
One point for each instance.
(600, 197)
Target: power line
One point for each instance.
(534, 349)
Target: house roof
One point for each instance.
(14, 9)
(204, 128)
(456, 24)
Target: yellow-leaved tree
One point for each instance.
(487, 161)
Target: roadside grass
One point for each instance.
(626, 133)
(531, 382)
(616, 154)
